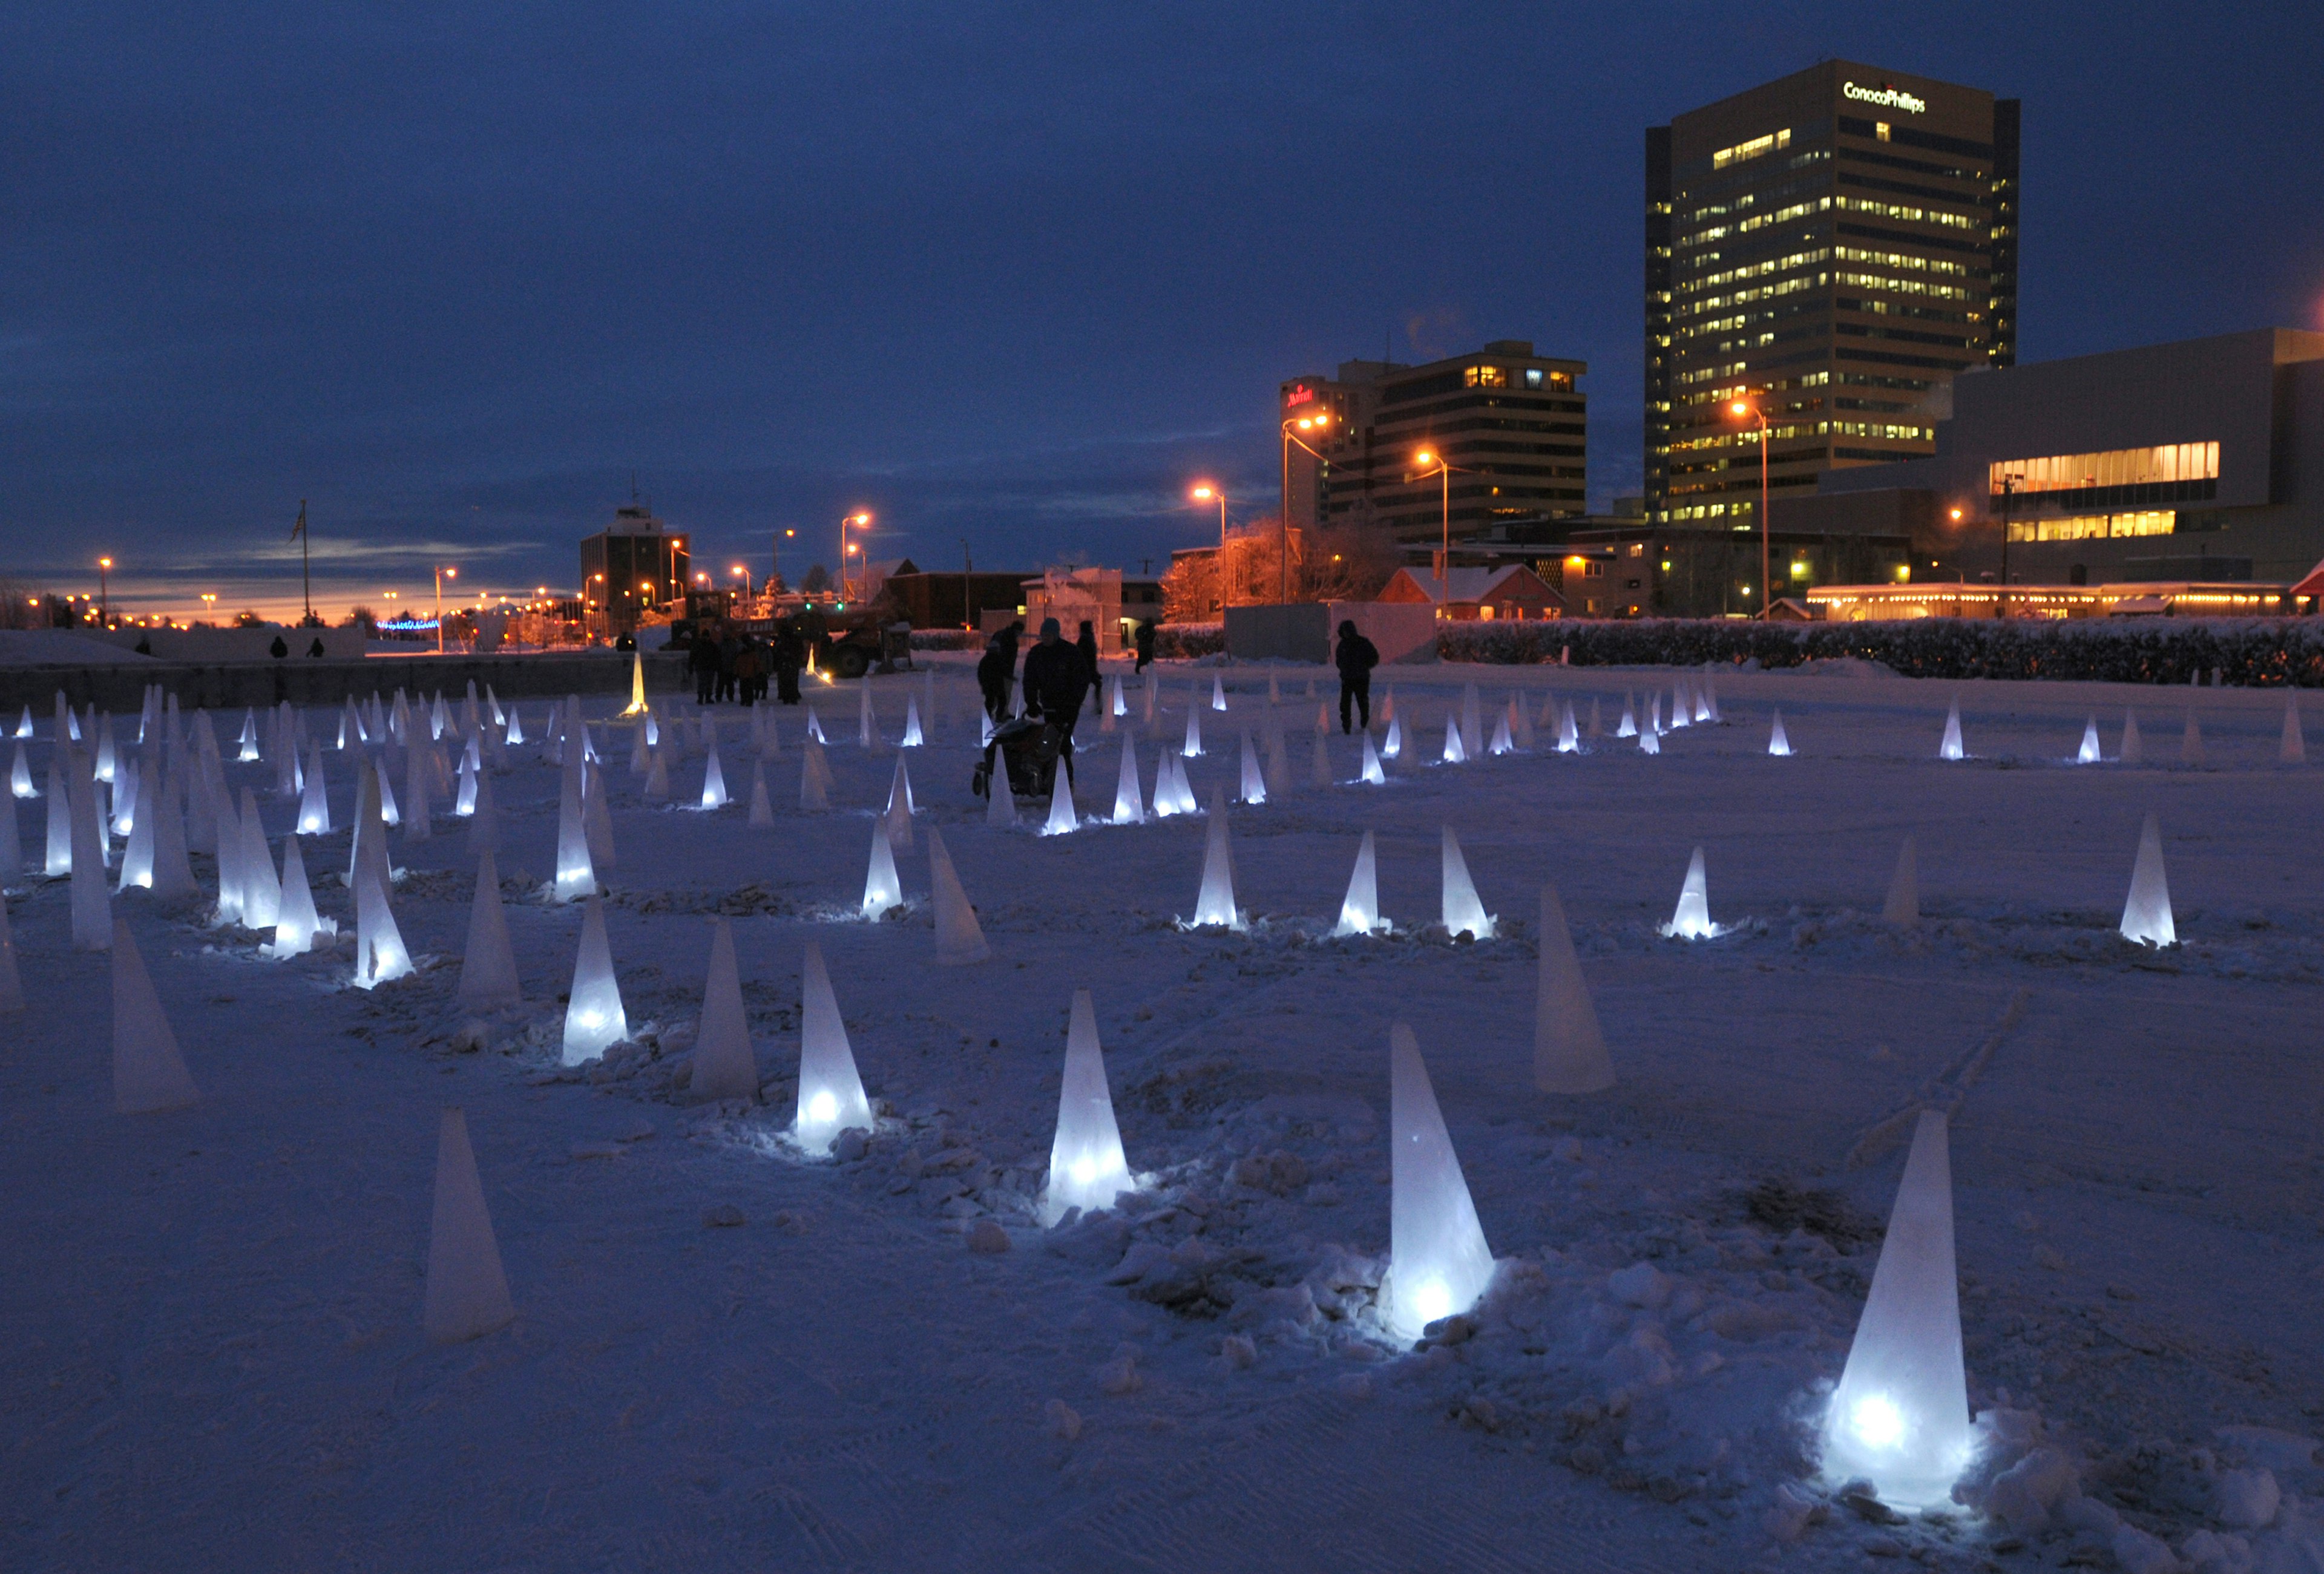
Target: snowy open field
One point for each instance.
(211, 1352)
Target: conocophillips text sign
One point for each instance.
(1885, 96)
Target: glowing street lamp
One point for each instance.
(1739, 410)
(846, 549)
(442, 574)
(1313, 424)
(103, 600)
(1429, 459)
(743, 574)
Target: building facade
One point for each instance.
(1513, 425)
(1832, 249)
(634, 564)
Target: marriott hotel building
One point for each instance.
(1834, 247)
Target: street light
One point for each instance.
(847, 549)
(442, 574)
(1204, 492)
(775, 559)
(744, 575)
(1428, 458)
(103, 600)
(1306, 423)
(1738, 410)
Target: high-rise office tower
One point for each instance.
(1829, 249)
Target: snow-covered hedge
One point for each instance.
(948, 640)
(1185, 641)
(2255, 651)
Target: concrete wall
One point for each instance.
(1286, 631)
(233, 685)
(212, 647)
(1406, 634)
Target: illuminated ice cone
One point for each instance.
(814, 726)
(899, 793)
(1902, 908)
(464, 804)
(882, 890)
(419, 813)
(1692, 919)
(488, 971)
(999, 797)
(92, 902)
(637, 706)
(713, 781)
(1322, 713)
(1360, 911)
(2190, 743)
(60, 860)
(148, 1072)
(24, 723)
(1706, 698)
(960, 939)
(1183, 788)
(2089, 753)
(485, 824)
(830, 1094)
(249, 750)
(1087, 1168)
(1654, 715)
(1900, 1417)
(1650, 740)
(1950, 749)
(1114, 704)
(1216, 902)
(1472, 733)
(515, 734)
(1455, 752)
(1218, 692)
(1438, 1261)
(1374, 775)
(1193, 745)
(577, 874)
(468, 1292)
(296, 922)
(1568, 1051)
(1166, 790)
(724, 1064)
(867, 731)
(314, 798)
(1063, 816)
(1630, 726)
(593, 1017)
(1254, 783)
(1502, 742)
(12, 846)
(912, 739)
(1463, 912)
(1319, 762)
(815, 796)
(20, 777)
(2134, 748)
(2294, 750)
(656, 786)
(641, 761)
(1128, 808)
(2146, 916)
(1393, 745)
(387, 813)
(136, 855)
(380, 955)
(1387, 705)
(12, 982)
(1778, 741)
(762, 808)
(1569, 739)
(898, 820)
(1682, 704)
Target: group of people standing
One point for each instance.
(731, 664)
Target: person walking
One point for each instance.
(1144, 640)
(998, 670)
(702, 655)
(1057, 681)
(789, 656)
(1086, 643)
(1356, 657)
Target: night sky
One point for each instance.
(1012, 273)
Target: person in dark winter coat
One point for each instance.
(998, 670)
(1056, 680)
(789, 656)
(1087, 645)
(1145, 640)
(702, 655)
(1356, 657)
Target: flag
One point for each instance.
(299, 528)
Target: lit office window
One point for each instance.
(1533, 377)
(2114, 468)
(1487, 377)
(1751, 149)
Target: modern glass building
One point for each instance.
(636, 564)
(1832, 248)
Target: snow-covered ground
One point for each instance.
(210, 1336)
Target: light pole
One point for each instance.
(859, 521)
(2008, 487)
(104, 598)
(1444, 468)
(1205, 491)
(442, 574)
(209, 604)
(1740, 409)
(967, 573)
(743, 574)
(1306, 423)
(775, 559)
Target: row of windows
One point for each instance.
(1906, 188)
(1700, 191)
(2112, 467)
(1746, 203)
(1860, 331)
(1887, 431)
(1919, 242)
(2096, 526)
(1752, 149)
(1754, 269)
(1759, 292)
(1906, 136)
(1898, 308)
(1902, 286)
(1909, 213)
(1910, 261)
(1920, 165)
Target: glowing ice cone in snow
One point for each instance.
(1900, 1417)
(1778, 741)
(380, 955)
(1502, 742)
(1438, 1261)
(488, 971)
(1650, 740)
(814, 726)
(1254, 784)
(485, 824)
(468, 1292)
(1216, 902)
(1455, 752)
(593, 1017)
(1463, 912)
(2294, 750)
(999, 797)
(314, 800)
(724, 1064)
(1692, 919)
(1063, 816)
(830, 1094)
(1630, 726)
(1393, 746)
(713, 781)
(464, 804)
(1194, 746)
(1087, 1168)
(12, 846)
(1654, 715)
(60, 860)
(960, 939)
(92, 902)
(1950, 749)
(1681, 716)
(136, 855)
(1568, 740)
(2089, 753)
(867, 731)
(1128, 808)
(20, 777)
(762, 808)
(911, 722)
(1360, 908)
(899, 792)
(813, 799)
(2134, 748)
(1373, 774)
(882, 890)
(148, 1072)
(1902, 908)
(1568, 1050)
(296, 923)
(637, 706)
(12, 982)
(577, 874)
(2146, 916)
(1218, 692)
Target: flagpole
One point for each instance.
(306, 580)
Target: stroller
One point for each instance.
(1030, 746)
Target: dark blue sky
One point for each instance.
(1011, 273)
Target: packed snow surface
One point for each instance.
(732, 1352)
